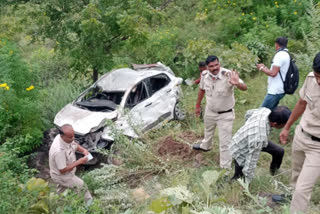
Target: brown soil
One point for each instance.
(180, 148)
(188, 137)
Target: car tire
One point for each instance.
(178, 112)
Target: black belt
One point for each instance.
(311, 136)
(222, 112)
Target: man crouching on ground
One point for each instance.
(63, 163)
(252, 138)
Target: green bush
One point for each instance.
(18, 97)
(60, 93)
(237, 57)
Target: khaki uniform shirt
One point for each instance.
(219, 92)
(310, 92)
(61, 154)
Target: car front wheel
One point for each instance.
(179, 113)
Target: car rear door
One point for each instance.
(161, 102)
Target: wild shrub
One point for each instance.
(60, 93)
(35, 196)
(237, 57)
(18, 97)
(240, 58)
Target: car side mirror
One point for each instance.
(179, 81)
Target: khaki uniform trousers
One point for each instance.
(224, 122)
(72, 182)
(305, 169)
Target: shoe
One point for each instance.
(197, 147)
(279, 199)
(273, 171)
(277, 171)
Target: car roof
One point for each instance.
(124, 78)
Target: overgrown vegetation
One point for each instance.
(49, 51)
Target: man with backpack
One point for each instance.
(277, 74)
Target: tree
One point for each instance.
(91, 32)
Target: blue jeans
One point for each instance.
(271, 100)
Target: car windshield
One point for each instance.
(96, 99)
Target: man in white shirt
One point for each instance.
(276, 74)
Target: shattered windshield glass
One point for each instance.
(98, 100)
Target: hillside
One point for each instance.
(52, 50)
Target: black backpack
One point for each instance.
(291, 82)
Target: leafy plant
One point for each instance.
(17, 98)
(93, 31)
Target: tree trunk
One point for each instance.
(95, 74)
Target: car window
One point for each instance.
(95, 99)
(158, 82)
(98, 94)
(137, 95)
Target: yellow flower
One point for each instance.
(277, 6)
(234, 3)
(251, 13)
(228, 2)
(3, 85)
(295, 12)
(214, 1)
(254, 18)
(7, 88)
(30, 88)
(243, 14)
(275, 2)
(10, 52)
(267, 26)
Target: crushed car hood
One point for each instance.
(83, 121)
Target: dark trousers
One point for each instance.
(273, 149)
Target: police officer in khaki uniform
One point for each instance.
(218, 84)
(306, 142)
(63, 163)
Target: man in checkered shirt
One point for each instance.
(252, 138)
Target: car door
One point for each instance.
(154, 105)
(138, 107)
(161, 102)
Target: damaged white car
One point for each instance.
(136, 100)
